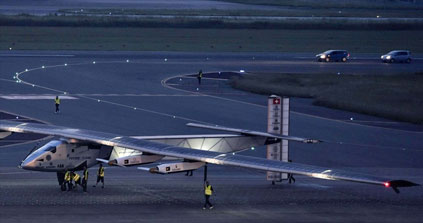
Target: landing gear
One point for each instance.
(61, 180)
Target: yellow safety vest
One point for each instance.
(85, 175)
(76, 177)
(101, 172)
(67, 176)
(57, 100)
(207, 190)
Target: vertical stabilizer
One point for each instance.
(278, 123)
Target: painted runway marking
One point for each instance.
(15, 140)
(34, 97)
(368, 121)
(20, 81)
(35, 55)
(20, 119)
(164, 84)
(49, 96)
(206, 78)
(15, 173)
(138, 95)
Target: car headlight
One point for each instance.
(381, 57)
(388, 57)
(322, 56)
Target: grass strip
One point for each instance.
(291, 12)
(297, 23)
(398, 97)
(327, 4)
(210, 40)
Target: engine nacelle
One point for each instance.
(176, 167)
(134, 160)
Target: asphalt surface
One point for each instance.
(52, 6)
(103, 95)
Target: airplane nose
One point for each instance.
(28, 164)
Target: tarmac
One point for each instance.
(46, 7)
(152, 94)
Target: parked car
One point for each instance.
(397, 56)
(333, 55)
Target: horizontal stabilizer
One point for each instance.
(400, 183)
(255, 133)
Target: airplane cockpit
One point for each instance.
(38, 158)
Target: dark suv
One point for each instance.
(333, 55)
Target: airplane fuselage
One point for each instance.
(59, 155)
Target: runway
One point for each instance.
(48, 7)
(134, 94)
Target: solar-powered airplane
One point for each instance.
(77, 148)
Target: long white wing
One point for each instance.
(254, 133)
(200, 155)
(222, 143)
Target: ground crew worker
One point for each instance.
(76, 179)
(100, 175)
(291, 176)
(208, 190)
(57, 102)
(200, 75)
(85, 179)
(68, 179)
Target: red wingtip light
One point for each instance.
(387, 184)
